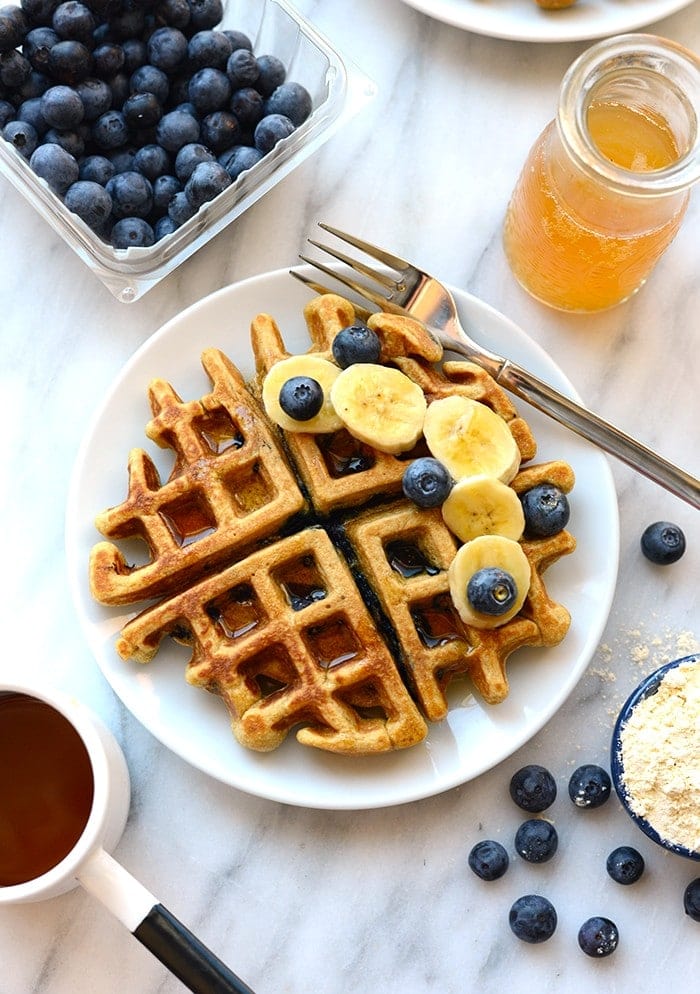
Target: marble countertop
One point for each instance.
(297, 900)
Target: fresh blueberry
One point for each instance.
(164, 189)
(107, 60)
(123, 159)
(272, 74)
(270, 130)
(536, 840)
(190, 156)
(22, 135)
(110, 131)
(247, 106)
(132, 232)
(176, 13)
(663, 543)
(209, 90)
(533, 788)
(691, 899)
(69, 62)
(238, 159)
(167, 49)
(220, 130)
(301, 397)
(14, 25)
(119, 88)
(291, 100)
(205, 14)
(177, 128)
(625, 865)
(73, 20)
(30, 111)
(356, 343)
(238, 39)
(207, 181)
(61, 107)
(152, 161)
(135, 54)
(96, 169)
(35, 85)
(15, 69)
(546, 510)
(242, 68)
(37, 46)
(91, 202)
(598, 937)
(426, 482)
(180, 209)
(149, 79)
(209, 48)
(72, 141)
(132, 195)
(7, 113)
(589, 786)
(56, 166)
(492, 591)
(96, 97)
(163, 227)
(39, 11)
(488, 859)
(533, 918)
(142, 110)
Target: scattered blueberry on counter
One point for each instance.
(663, 543)
(589, 786)
(691, 899)
(488, 859)
(533, 788)
(90, 91)
(533, 918)
(598, 937)
(536, 840)
(625, 865)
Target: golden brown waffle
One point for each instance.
(336, 624)
(229, 487)
(284, 638)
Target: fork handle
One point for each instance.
(567, 412)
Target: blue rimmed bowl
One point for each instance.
(649, 686)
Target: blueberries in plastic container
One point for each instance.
(589, 786)
(56, 166)
(625, 865)
(132, 195)
(291, 100)
(209, 48)
(238, 159)
(91, 202)
(22, 135)
(598, 937)
(270, 130)
(533, 918)
(242, 68)
(663, 543)
(132, 232)
(190, 156)
(177, 128)
(167, 49)
(61, 107)
(533, 788)
(536, 840)
(207, 181)
(488, 859)
(110, 131)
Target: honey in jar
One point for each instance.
(605, 187)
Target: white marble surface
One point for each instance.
(299, 900)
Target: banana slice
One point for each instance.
(470, 439)
(482, 505)
(380, 406)
(319, 369)
(483, 553)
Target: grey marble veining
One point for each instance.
(300, 901)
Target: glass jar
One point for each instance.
(605, 187)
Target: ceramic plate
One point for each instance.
(193, 723)
(523, 20)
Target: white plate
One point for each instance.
(193, 723)
(523, 20)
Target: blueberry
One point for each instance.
(56, 166)
(132, 195)
(691, 899)
(39, 11)
(205, 14)
(533, 788)
(180, 209)
(141, 110)
(190, 156)
(14, 25)
(242, 68)
(96, 97)
(426, 482)
(123, 159)
(272, 73)
(110, 130)
(291, 100)
(135, 54)
(625, 865)
(61, 107)
(598, 937)
(238, 39)
(589, 786)
(492, 591)
(209, 90)
(108, 60)
(270, 130)
(163, 227)
(177, 128)
(71, 141)
(7, 113)
(356, 343)
(220, 130)
(91, 202)
(164, 189)
(22, 135)
(35, 85)
(488, 859)
(152, 161)
(533, 918)
(73, 20)
(663, 543)
(207, 181)
(238, 159)
(536, 840)
(546, 510)
(97, 169)
(301, 397)
(149, 79)
(69, 62)
(176, 13)
(132, 232)
(247, 106)
(15, 69)
(209, 48)
(37, 46)
(167, 49)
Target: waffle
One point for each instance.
(319, 605)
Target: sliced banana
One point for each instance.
(482, 505)
(319, 369)
(380, 405)
(481, 553)
(470, 439)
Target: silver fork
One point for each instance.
(409, 290)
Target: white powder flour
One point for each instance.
(660, 750)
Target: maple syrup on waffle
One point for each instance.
(46, 788)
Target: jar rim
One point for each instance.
(676, 66)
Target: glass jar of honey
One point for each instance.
(605, 187)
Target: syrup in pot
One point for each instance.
(46, 788)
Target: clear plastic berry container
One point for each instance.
(338, 90)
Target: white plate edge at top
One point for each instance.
(294, 774)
